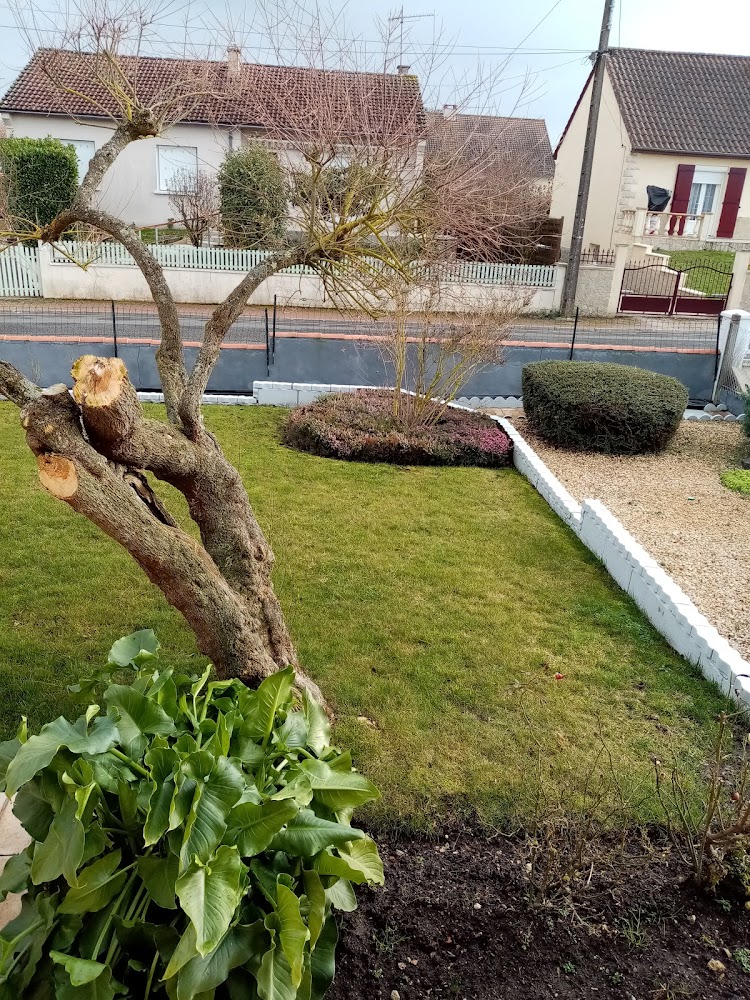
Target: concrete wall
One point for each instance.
(130, 189)
(125, 283)
(612, 150)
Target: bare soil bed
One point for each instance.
(675, 505)
(457, 920)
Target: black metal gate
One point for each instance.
(699, 290)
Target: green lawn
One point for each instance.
(434, 606)
(704, 278)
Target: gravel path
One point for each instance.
(676, 507)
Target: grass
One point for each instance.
(737, 479)
(166, 235)
(434, 605)
(703, 279)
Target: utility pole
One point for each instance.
(570, 285)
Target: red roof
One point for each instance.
(287, 98)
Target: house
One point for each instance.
(522, 143)
(216, 106)
(514, 165)
(671, 155)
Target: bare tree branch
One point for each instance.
(16, 386)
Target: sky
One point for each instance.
(532, 55)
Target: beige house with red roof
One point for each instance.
(672, 151)
(216, 105)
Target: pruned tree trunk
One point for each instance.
(93, 451)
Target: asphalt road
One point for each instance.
(72, 324)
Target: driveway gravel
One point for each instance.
(676, 507)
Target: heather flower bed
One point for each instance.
(361, 427)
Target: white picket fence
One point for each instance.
(225, 259)
(19, 271)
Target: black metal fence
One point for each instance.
(134, 323)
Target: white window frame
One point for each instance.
(164, 188)
(77, 144)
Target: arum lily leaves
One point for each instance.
(219, 785)
(338, 790)
(154, 805)
(137, 715)
(159, 875)
(359, 863)
(62, 851)
(253, 827)
(273, 694)
(97, 885)
(237, 946)
(210, 893)
(134, 650)
(293, 932)
(341, 895)
(316, 904)
(318, 726)
(38, 751)
(308, 834)
(16, 875)
(80, 970)
(275, 976)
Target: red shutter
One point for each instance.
(681, 196)
(731, 206)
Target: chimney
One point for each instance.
(449, 110)
(234, 61)
(402, 70)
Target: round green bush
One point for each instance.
(360, 427)
(589, 406)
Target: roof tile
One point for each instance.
(683, 102)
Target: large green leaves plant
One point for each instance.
(192, 841)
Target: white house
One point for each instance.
(671, 157)
(237, 101)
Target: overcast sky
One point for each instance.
(544, 39)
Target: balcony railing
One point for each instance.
(682, 225)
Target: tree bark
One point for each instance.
(93, 448)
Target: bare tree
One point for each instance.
(94, 447)
(194, 197)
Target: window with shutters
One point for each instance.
(172, 161)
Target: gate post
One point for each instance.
(732, 345)
(739, 279)
(622, 255)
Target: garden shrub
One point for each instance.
(590, 406)
(361, 427)
(746, 421)
(41, 177)
(190, 841)
(252, 197)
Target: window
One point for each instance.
(704, 192)
(173, 160)
(84, 150)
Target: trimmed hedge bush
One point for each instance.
(42, 178)
(360, 427)
(588, 406)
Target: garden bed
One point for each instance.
(459, 919)
(361, 427)
(674, 504)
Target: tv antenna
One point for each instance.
(401, 17)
